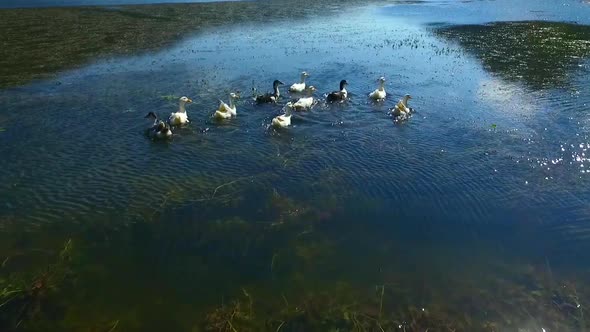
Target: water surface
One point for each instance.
(475, 209)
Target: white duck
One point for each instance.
(379, 93)
(283, 120)
(299, 87)
(226, 111)
(306, 103)
(180, 117)
(402, 110)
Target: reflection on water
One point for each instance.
(471, 216)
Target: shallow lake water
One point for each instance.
(472, 215)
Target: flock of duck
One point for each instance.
(163, 129)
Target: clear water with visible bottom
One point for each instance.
(476, 206)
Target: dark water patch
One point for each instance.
(540, 54)
(72, 3)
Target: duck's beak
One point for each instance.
(281, 83)
(189, 101)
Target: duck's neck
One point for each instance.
(181, 108)
(277, 93)
(381, 86)
(231, 102)
(302, 78)
(405, 101)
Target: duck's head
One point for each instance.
(161, 126)
(304, 74)
(151, 115)
(185, 100)
(381, 79)
(235, 95)
(311, 88)
(343, 84)
(276, 84)
(406, 98)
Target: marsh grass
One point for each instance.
(341, 307)
(27, 299)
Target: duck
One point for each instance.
(306, 103)
(226, 111)
(180, 117)
(159, 129)
(270, 97)
(299, 87)
(283, 120)
(401, 109)
(338, 95)
(379, 93)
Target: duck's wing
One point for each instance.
(223, 107)
(297, 87)
(334, 96)
(267, 98)
(305, 102)
(400, 105)
(299, 103)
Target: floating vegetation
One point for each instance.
(170, 97)
(541, 54)
(63, 32)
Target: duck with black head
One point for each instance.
(159, 129)
(338, 96)
(270, 97)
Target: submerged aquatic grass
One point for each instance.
(455, 220)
